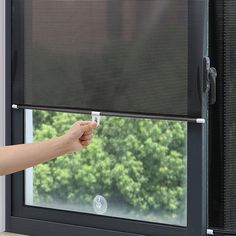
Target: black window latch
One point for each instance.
(209, 80)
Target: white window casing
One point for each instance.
(2, 108)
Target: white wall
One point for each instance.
(29, 173)
(2, 108)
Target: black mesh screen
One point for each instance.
(107, 55)
(223, 134)
(230, 115)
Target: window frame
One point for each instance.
(216, 118)
(41, 221)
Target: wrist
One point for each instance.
(64, 144)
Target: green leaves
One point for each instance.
(136, 163)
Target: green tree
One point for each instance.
(134, 162)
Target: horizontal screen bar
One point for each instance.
(118, 114)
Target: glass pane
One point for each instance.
(134, 169)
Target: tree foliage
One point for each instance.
(137, 163)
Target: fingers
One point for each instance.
(88, 133)
(86, 137)
(82, 132)
(92, 124)
(85, 143)
(87, 126)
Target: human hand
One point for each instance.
(79, 135)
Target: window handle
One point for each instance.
(209, 80)
(96, 117)
(212, 80)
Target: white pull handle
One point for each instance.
(96, 117)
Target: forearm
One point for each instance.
(18, 157)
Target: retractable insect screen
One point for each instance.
(222, 201)
(108, 55)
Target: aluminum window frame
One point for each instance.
(41, 221)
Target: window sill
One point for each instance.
(9, 234)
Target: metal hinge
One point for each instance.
(209, 80)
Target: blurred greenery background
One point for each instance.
(138, 165)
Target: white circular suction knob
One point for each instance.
(100, 205)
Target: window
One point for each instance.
(137, 62)
(117, 56)
(134, 169)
